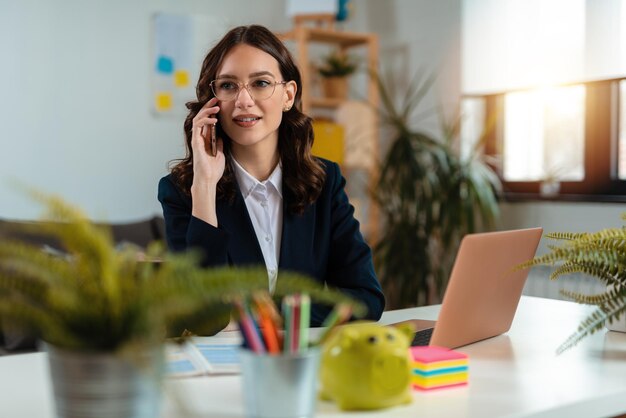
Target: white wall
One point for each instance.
(75, 102)
(421, 35)
(562, 216)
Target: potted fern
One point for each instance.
(104, 313)
(334, 70)
(600, 255)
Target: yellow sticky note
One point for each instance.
(329, 141)
(163, 101)
(181, 78)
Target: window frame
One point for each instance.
(601, 183)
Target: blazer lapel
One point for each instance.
(243, 247)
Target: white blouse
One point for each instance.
(264, 201)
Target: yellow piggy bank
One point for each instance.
(366, 366)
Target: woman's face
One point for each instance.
(250, 121)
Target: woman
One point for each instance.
(263, 198)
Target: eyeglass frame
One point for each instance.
(241, 85)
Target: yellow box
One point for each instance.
(329, 141)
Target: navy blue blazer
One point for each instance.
(323, 243)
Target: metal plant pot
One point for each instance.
(105, 385)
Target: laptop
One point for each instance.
(483, 291)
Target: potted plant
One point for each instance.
(104, 313)
(334, 70)
(551, 181)
(429, 198)
(599, 255)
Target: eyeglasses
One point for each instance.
(261, 88)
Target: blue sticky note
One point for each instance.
(165, 65)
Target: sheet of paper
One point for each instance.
(202, 356)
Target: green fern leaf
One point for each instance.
(565, 235)
(592, 324)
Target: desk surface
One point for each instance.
(514, 375)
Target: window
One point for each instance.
(621, 147)
(573, 134)
(544, 133)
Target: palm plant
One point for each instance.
(99, 299)
(429, 196)
(601, 255)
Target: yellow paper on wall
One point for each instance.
(181, 78)
(329, 141)
(163, 101)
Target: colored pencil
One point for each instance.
(287, 307)
(249, 329)
(338, 315)
(305, 317)
(267, 322)
(295, 325)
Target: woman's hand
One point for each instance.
(207, 169)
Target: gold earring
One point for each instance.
(286, 108)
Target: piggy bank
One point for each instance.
(365, 365)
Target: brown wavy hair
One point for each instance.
(303, 175)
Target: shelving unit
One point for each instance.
(303, 36)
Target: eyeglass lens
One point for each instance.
(260, 88)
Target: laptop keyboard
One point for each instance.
(422, 337)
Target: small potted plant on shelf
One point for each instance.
(104, 313)
(599, 255)
(334, 70)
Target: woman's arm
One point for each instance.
(183, 230)
(207, 168)
(350, 267)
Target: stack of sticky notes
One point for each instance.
(438, 367)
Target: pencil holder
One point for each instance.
(279, 386)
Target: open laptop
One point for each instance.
(483, 291)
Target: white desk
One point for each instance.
(514, 375)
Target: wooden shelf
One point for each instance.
(303, 36)
(326, 102)
(330, 36)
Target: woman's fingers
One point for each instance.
(201, 129)
(206, 114)
(208, 117)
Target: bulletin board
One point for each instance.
(179, 45)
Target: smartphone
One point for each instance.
(213, 149)
(210, 143)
